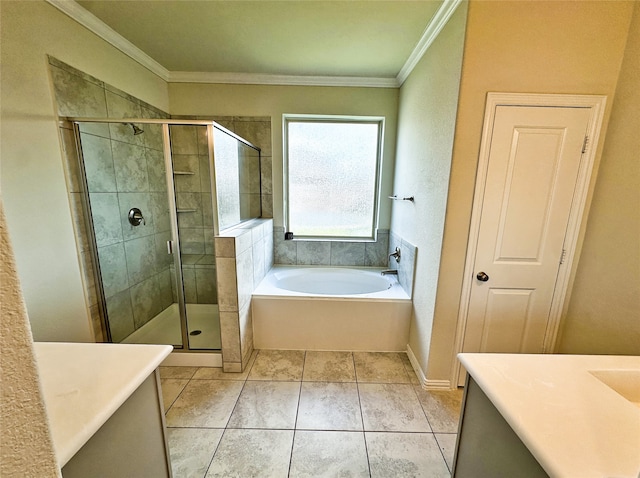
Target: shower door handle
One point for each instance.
(169, 247)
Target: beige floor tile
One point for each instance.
(328, 454)
(401, 455)
(252, 453)
(329, 406)
(442, 408)
(177, 372)
(328, 367)
(266, 405)
(447, 443)
(204, 403)
(380, 367)
(191, 450)
(283, 365)
(391, 407)
(171, 388)
(413, 377)
(216, 373)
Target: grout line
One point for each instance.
(440, 447)
(226, 426)
(364, 435)
(295, 423)
(424, 412)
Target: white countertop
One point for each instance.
(571, 422)
(84, 384)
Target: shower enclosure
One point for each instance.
(157, 193)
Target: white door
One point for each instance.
(533, 165)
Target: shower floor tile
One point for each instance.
(297, 413)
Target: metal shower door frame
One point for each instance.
(173, 246)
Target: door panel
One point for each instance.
(506, 319)
(533, 166)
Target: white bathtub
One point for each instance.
(330, 309)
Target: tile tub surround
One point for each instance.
(133, 264)
(331, 253)
(406, 266)
(244, 254)
(297, 413)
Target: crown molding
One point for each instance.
(288, 80)
(430, 33)
(97, 26)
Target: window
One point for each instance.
(331, 173)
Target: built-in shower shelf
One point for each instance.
(186, 210)
(184, 173)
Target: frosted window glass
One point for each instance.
(332, 178)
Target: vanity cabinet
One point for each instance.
(105, 409)
(549, 415)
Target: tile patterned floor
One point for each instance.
(309, 414)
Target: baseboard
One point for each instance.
(426, 383)
(185, 359)
(437, 385)
(416, 366)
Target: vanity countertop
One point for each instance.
(84, 384)
(571, 421)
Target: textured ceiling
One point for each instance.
(371, 38)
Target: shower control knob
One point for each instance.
(482, 277)
(135, 217)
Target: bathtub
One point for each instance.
(330, 308)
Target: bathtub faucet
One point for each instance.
(395, 254)
(390, 272)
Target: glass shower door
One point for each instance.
(189, 146)
(126, 206)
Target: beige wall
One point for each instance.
(274, 101)
(426, 123)
(526, 47)
(32, 177)
(604, 311)
(26, 448)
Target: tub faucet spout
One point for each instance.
(390, 272)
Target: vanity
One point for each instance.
(549, 416)
(105, 409)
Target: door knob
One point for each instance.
(482, 277)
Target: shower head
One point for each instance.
(136, 130)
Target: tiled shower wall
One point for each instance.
(244, 255)
(256, 130)
(190, 154)
(123, 171)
